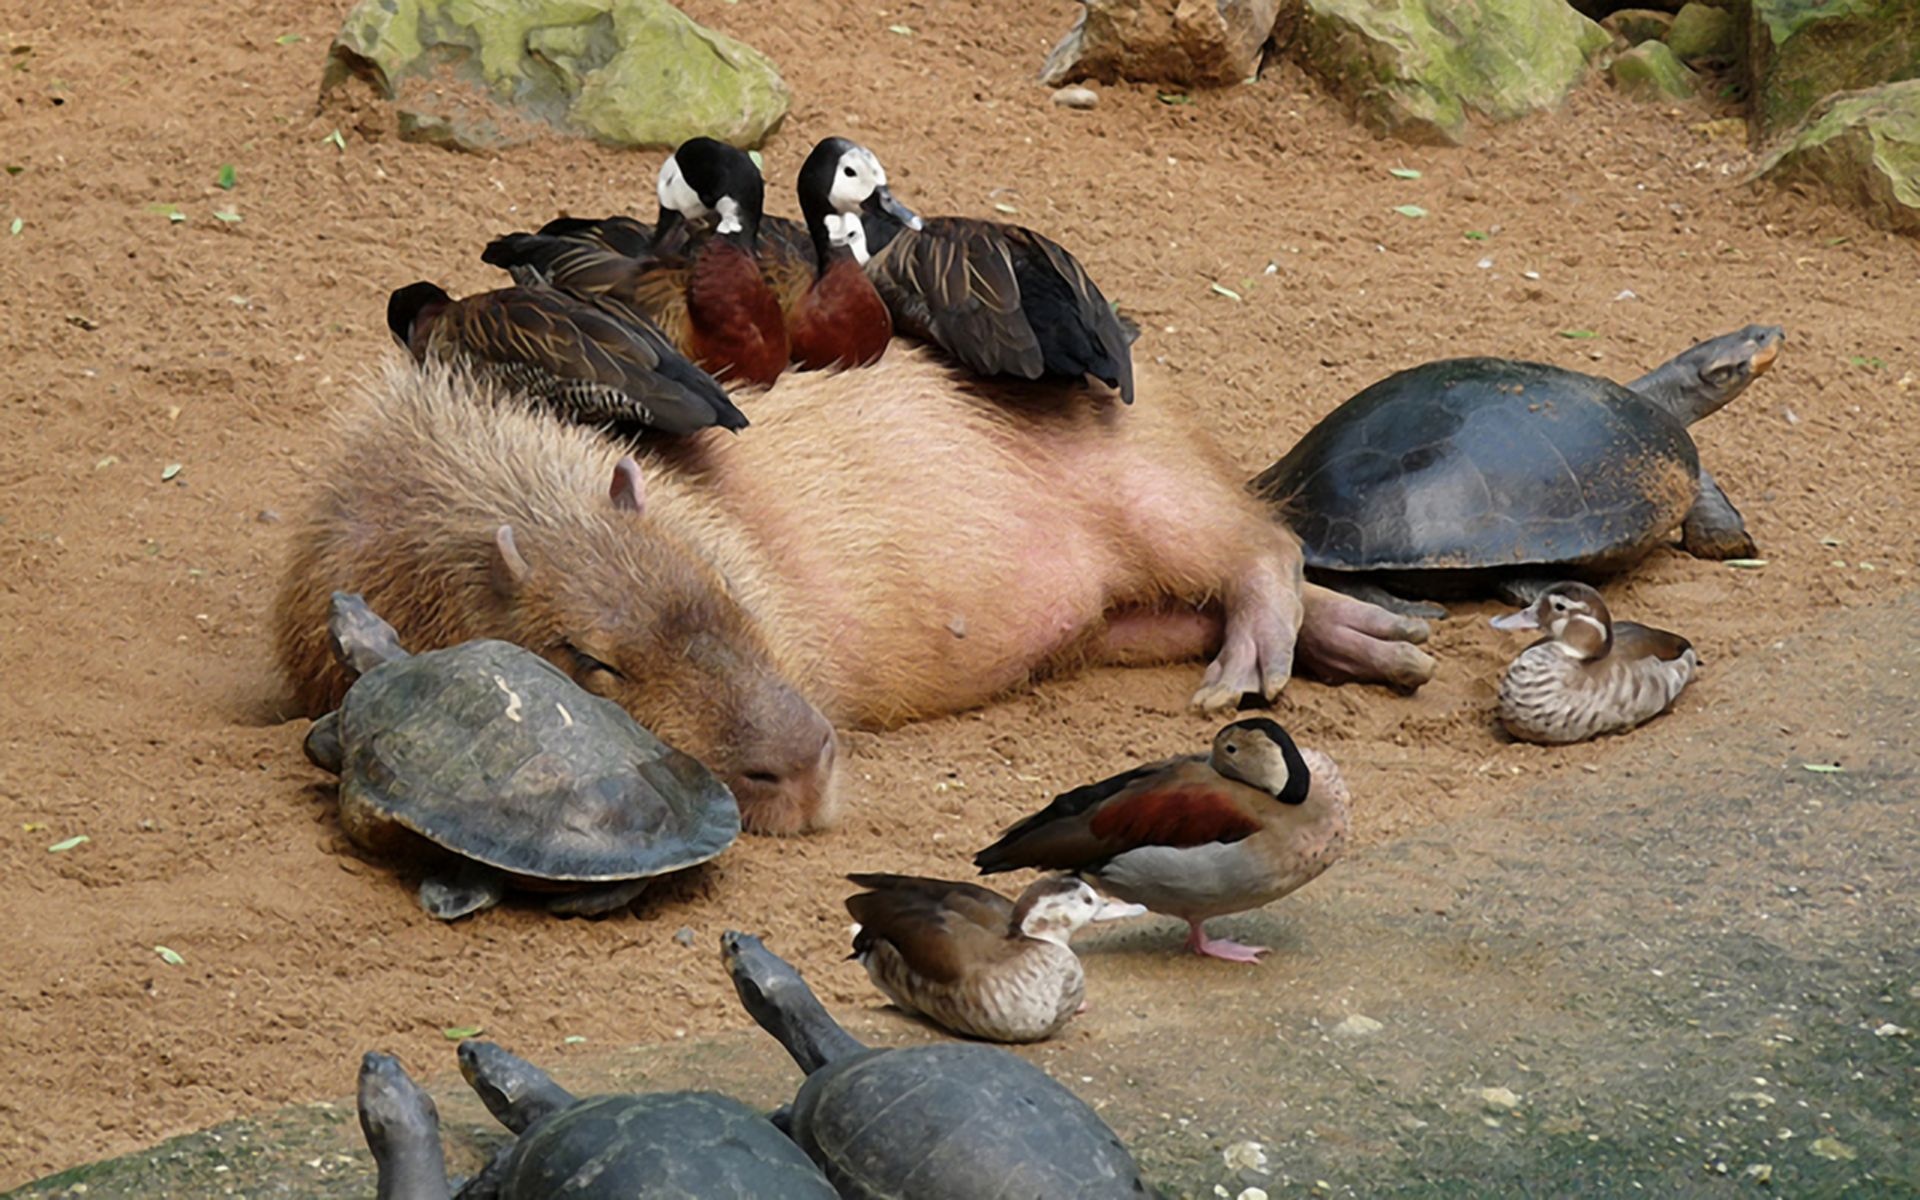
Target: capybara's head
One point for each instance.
(646, 622)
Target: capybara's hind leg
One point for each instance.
(1344, 640)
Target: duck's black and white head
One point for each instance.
(843, 179)
(410, 309)
(1259, 753)
(1572, 615)
(706, 179)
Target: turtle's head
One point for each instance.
(780, 1002)
(361, 640)
(402, 1129)
(1702, 380)
(515, 1091)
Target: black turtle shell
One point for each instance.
(957, 1122)
(490, 751)
(1483, 463)
(679, 1145)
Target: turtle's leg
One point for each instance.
(468, 889)
(1379, 597)
(323, 743)
(596, 900)
(1714, 528)
(1343, 639)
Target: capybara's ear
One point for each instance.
(629, 490)
(509, 570)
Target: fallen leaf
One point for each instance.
(1174, 98)
(228, 215)
(1746, 564)
(83, 321)
(1410, 210)
(171, 470)
(1004, 207)
(339, 143)
(1578, 334)
(170, 957)
(288, 39)
(226, 178)
(16, 227)
(1823, 768)
(759, 164)
(902, 30)
(458, 1033)
(66, 844)
(1403, 172)
(1228, 292)
(33, 826)
(1474, 235)
(1832, 1149)
(572, 1039)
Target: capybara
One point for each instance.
(895, 541)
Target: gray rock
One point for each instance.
(1076, 97)
(1636, 25)
(1802, 51)
(1703, 33)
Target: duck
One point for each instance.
(1590, 675)
(1198, 836)
(712, 300)
(837, 318)
(573, 358)
(1001, 299)
(972, 961)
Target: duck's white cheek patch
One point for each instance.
(676, 193)
(729, 210)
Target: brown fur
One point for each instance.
(410, 514)
(892, 541)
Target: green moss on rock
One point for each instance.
(628, 72)
(1703, 33)
(1652, 69)
(1863, 149)
(1805, 50)
(1416, 68)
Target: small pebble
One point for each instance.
(1832, 1149)
(1076, 97)
(1357, 1026)
(1499, 1099)
(1246, 1156)
(684, 935)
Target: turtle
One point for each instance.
(949, 1121)
(1462, 474)
(487, 755)
(659, 1146)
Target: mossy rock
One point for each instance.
(1804, 50)
(625, 72)
(1636, 25)
(1417, 68)
(1652, 70)
(1862, 149)
(1703, 33)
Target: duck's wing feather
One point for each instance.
(1078, 329)
(1632, 640)
(938, 926)
(1179, 803)
(953, 284)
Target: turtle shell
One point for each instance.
(686, 1145)
(489, 751)
(1486, 462)
(957, 1122)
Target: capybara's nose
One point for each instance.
(791, 785)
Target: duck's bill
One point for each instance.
(882, 200)
(1116, 910)
(1524, 619)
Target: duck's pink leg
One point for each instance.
(1200, 943)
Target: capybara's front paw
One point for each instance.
(1256, 655)
(1344, 640)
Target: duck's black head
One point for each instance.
(708, 178)
(1259, 753)
(411, 309)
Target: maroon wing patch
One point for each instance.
(1179, 817)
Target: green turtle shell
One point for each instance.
(957, 1122)
(684, 1145)
(1473, 463)
(491, 752)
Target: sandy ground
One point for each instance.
(140, 708)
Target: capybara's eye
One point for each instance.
(585, 665)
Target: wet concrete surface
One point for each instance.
(1696, 974)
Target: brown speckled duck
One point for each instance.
(973, 961)
(1590, 675)
(1198, 836)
